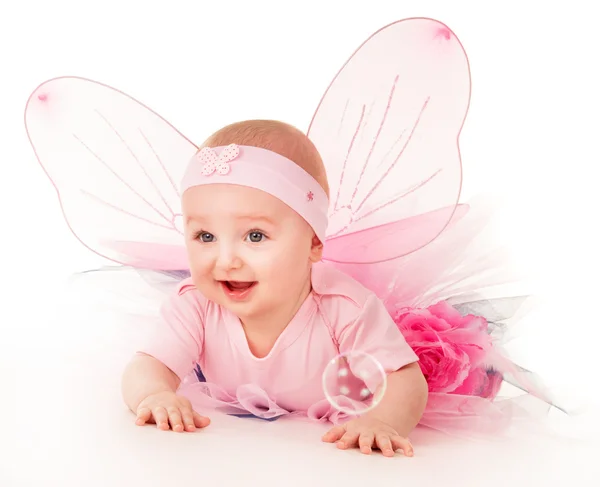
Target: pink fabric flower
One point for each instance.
(452, 349)
(212, 162)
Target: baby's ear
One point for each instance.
(316, 250)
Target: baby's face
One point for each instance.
(248, 251)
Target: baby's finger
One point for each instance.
(384, 443)
(175, 419)
(200, 421)
(143, 416)
(401, 443)
(187, 417)
(348, 440)
(365, 443)
(333, 434)
(161, 418)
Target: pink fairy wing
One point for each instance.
(387, 129)
(116, 166)
(391, 239)
(410, 280)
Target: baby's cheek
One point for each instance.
(208, 288)
(200, 274)
(200, 262)
(290, 275)
(265, 265)
(283, 267)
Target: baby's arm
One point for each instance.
(144, 376)
(387, 425)
(151, 379)
(404, 401)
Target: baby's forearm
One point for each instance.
(404, 400)
(144, 376)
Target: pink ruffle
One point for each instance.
(453, 414)
(251, 399)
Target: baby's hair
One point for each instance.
(282, 138)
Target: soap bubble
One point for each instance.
(354, 382)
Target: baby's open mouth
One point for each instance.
(238, 286)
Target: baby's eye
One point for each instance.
(206, 237)
(255, 237)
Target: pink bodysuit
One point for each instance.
(339, 316)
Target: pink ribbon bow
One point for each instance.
(211, 162)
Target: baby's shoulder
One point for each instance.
(185, 296)
(340, 295)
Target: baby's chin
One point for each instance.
(247, 309)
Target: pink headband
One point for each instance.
(265, 170)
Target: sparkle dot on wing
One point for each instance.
(444, 33)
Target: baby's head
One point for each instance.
(248, 250)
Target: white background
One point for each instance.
(531, 136)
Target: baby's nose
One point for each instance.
(228, 258)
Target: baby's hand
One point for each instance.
(167, 409)
(367, 432)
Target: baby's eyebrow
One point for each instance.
(193, 218)
(257, 217)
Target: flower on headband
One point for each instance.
(219, 163)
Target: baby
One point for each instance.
(259, 307)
